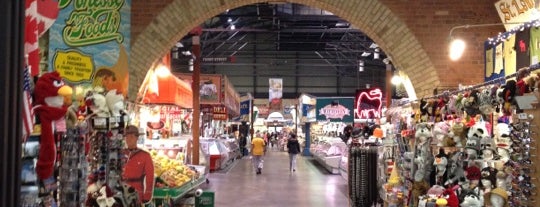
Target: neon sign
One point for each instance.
(368, 103)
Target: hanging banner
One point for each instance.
(89, 44)
(515, 11)
(275, 93)
(368, 103)
(209, 88)
(335, 109)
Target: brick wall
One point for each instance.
(414, 33)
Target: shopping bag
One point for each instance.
(261, 164)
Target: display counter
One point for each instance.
(219, 151)
(344, 166)
(328, 152)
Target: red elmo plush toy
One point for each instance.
(49, 96)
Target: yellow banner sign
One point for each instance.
(73, 65)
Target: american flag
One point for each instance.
(27, 112)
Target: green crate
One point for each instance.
(205, 200)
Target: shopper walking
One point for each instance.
(293, 147)
(257, 152)
(139, 168)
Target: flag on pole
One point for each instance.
(27, 112)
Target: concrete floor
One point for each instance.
(310, 185)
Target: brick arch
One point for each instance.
(371, 17)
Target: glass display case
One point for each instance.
(218, 152)
(344, 165)
(328, 152)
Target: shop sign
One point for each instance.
(335, 109)
(263, 110)
(515, 11)
(219, 116)
(245, 107)
(219, 110)
(368, 103)
(275, 93)
(89, 44)
(209, 87)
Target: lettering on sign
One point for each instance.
(92, 22)
(515, 11)
(334, 111)
(73, 65)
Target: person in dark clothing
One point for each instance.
(347, 132)
(293, 147)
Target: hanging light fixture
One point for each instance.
(190, 64)
(457, 46)
(360, 65)
(377, 53)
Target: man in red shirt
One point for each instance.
(139, 168)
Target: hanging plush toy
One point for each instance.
(49, 93)
(508, 94)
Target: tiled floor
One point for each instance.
(309, 186)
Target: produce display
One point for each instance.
(171, 173)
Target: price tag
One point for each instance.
(100, 121)
(522, 116)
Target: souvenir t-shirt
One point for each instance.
(489, 62)
(498, 58)
(534, 46)
(522, 48)
(509, 54)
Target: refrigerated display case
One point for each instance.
(328, 152)
(218, 152)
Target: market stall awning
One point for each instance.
(169, 90)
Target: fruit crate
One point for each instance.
(175, 193)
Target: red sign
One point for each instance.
(368, 103)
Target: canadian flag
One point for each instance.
(39, 17)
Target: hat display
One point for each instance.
(489, 173)
(378, 132)
(500, 192)
(473, 173)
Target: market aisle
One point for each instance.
(309, 186)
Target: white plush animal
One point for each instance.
(97, 104)
(115, 102)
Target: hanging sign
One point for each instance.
(89, 44)
(515, 11)
(275, 93)
(368, 103)
(219, 113)
(335, 109)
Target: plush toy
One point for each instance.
(486, 102)
(97, 104)
(487, 147)
(115, 102)
(471, 199)
(488, 178)
(508, 94)
(424, 110)
(471, 103)
(440, 133)
(49, 94)
(440, 162)
(458, 134)
(455, 169)
(126, 195)
(419, 188)
(450, 195)
(423, 133)
(99, 194)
